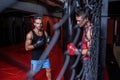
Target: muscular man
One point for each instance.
(83, 21)
(36, 41)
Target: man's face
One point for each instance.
(38, 23)
(80, 21)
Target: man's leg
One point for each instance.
(46, 65)
(48, 73)
(35, 67)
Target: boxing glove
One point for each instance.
(39, 42)
(48, 39)
(71, 49)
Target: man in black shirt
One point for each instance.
(36, 41)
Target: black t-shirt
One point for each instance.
(37, 52)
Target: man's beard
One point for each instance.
(39, 28)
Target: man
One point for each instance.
(36, 41)
(83, 21)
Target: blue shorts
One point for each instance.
(36, 65)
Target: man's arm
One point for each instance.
(46, 35)
(89, 37)
(28, 42)
(47, 38)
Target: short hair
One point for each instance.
(84, 13)
(37, 16)
(80, 12)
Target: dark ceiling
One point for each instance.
(48, 2)
(51, 5)
(56, 6)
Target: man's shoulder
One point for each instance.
(30, 33)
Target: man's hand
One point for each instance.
(48, 39)
(71, 49)
(39, 43)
